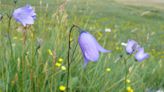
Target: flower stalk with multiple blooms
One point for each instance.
(132, 47)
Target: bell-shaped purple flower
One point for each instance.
(140, 55)
(25, 15)
(90, 47)
(131, 46)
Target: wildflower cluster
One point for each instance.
(132, 47)
(129, 88)
(90, 47)
(59, 64)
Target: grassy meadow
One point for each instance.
(40, 65)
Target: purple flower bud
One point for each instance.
(131, 46)
(25, 15)
(140, 55)
(90, 47)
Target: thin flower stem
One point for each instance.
(126, 70)
(24, 43)
(68, 53)
(8, 35)
(23, 54)
(125, 73)
(74, 52)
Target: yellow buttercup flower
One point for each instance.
(129, 89)
(58, 64)
(50, 52)
(128, 81)
(60, 60)
(63, 68)
(108, 69)
(62, 88)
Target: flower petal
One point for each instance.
(99, 47)
(88, 46)
(25, 15)
(85, 62)
(131, 46)
(140, 55)
(27, 20)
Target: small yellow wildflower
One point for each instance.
(128, 81)
(63, 68)
(129, 89)
(62, 88)
(60, 60)
(58, 64)
(50, 52)
(108, 69)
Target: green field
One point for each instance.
(25, 69)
